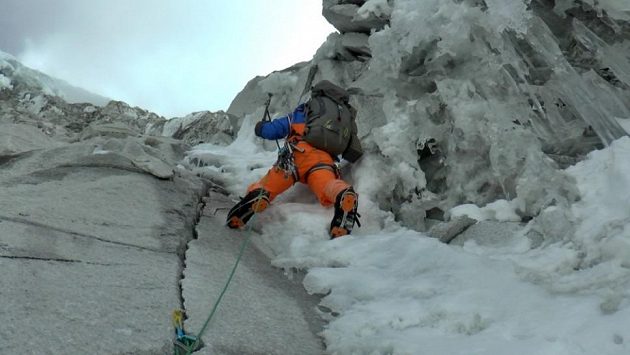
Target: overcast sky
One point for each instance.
(169, 56)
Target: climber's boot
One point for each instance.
(255, 201)
(346, 214)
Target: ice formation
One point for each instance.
(507, 92)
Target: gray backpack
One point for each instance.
(330, 124)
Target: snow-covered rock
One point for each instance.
(203, 127)
(15, 75)
(507, 94)
(349, 47)
(357, 15)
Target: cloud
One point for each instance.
(172, 57)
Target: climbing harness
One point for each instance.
(286, 160)
(334, 168)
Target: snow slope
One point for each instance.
(391, 290)
(514, 93)
(13, 71)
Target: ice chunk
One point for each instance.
(5, 83)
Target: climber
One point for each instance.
(315, 133)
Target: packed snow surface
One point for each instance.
(559, 284)
(391, 290)
(5, 82)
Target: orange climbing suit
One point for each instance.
(314, 166)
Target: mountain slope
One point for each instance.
(474, 103)
(15, 75)
(511, 113)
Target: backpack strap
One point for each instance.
(335, 92)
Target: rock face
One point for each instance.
(204, 127)
(447, 231)
(475, 101)
(262, 308)
(32, 98)
(91, 239)
(57, 118)
(95, 223)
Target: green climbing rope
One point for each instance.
(193, 346)
(216, 304)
